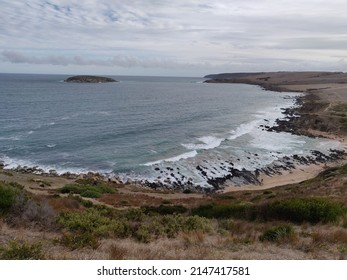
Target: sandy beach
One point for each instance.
(326, 96)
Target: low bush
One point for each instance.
(277, 233)
(193, 223)
(143, 234)
(22, 251)
(71, 188)
(26, 211)
(7, 197)
(92, 221)
(242, 210)
(226, 224)
(90, 193)
(165, 209)
(299, 210)
(171, 225)
(87, 190)
(79, 240)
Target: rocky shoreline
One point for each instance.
(298, 120)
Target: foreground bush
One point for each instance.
(22, 251)
(298, 210)
(7, 198)
(85, 189)
(88, 227)
(241, 210)
(313, 210)
(277, 233)
(165, 209)
(93, 222)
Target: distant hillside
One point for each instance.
(230, 75)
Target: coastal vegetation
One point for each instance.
(87, 188)
(305, 220)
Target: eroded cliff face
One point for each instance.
(89, 79)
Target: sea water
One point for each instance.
(143, 128)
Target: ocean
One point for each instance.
(155, 129)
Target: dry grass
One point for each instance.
(316, 242)
(226, 239)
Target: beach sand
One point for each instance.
(327, 91)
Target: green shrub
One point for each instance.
(106, 189)
(76, 241)
(193, 223)
(71, 188)
(226, 224)
(242, 210)
(85, 190)
(90, 193)
(8, 194)
(170, 225)
(277, 233)
(134, 214)
(143, 234)
(313, 210)
(87, 203)
(86, 221)
(94, 222)
(165, 209)
(7, 197)
(22, 251)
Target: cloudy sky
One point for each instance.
(171, 37)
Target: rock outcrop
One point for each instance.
(89, 79)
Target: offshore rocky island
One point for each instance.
(89, 79)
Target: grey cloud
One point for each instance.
(176, 34)
(119, 61)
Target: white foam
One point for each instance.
(13, 138)
(51, 145)
(279, 142)
(173, 159)
(243, 129)
(208, 142)
(12, 163)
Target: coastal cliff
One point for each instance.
(89, 79)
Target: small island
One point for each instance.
(89, 79)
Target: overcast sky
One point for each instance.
(171, 37)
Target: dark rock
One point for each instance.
(89, 79)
